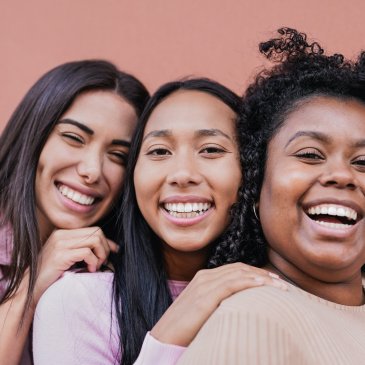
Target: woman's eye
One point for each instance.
(73, 137)
(159, 152)
(359, 161)
(120, 157)
(212, 151)
(310, 154)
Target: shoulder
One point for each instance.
(75, 317)
(80, 292)
(266, 303)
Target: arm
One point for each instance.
(13, 336)
(184, 318)
(155, 352)
(187, 314)
(62, 250)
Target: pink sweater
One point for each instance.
(75, 323)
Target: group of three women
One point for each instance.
(212, 182)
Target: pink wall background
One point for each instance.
(161, 40)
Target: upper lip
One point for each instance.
(81, 189)
(345, 203)
(185, 199)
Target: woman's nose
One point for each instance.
(90, 168)
(184, 172)
(339, 174)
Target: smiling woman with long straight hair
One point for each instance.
(62, 163)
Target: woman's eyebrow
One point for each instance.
(212, 132)
(158, 133)
(199, 133)
(312, 134)
(77, 124)
(121, 142)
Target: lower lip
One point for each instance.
(75, 207)
(186, 222)
(331, 232)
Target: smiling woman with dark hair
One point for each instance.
(304, 150)
(62, 163)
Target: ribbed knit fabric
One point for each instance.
(267, 326)
(75, 324)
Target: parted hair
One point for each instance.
(23, 139)
(301, 70)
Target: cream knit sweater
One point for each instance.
(264, 325)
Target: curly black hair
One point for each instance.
(301, 70)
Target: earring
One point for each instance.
(255, 212)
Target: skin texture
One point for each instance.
(317, 157)
(190, 154)
(90, 163)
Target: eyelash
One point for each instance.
(360, 161)
(310, 154)
(73, 137)
(212, 150)
(157, 152)
(123, 157)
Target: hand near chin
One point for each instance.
(184, 318)
(64, 248)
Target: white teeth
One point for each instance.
(180, 208)
(333, 225)
(334, 210)
(75, 195)
(187, 210)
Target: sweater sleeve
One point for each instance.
(155, 352)
(73, 322)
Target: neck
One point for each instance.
(345, 290)
(183, 266)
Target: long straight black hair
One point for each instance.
(22, 142)
(141, 290)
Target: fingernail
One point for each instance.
(276, 276)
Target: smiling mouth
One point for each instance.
(333, 215)
(76, 196)
(187, 210)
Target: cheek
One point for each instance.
(116, 176)
(146, 179)
(230, 186)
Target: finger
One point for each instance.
(215, 289)
(211, 275)
(86, 255)
(112, 246)
(246, 267)
(234, 282)
(93, 238)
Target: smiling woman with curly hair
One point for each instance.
(302, 216)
